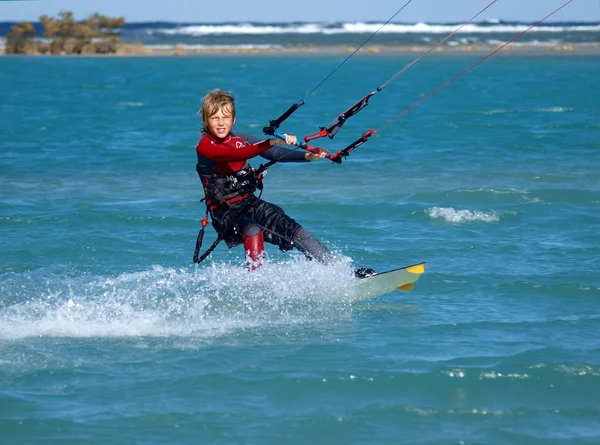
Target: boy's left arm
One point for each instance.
(283, 154)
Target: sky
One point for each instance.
(215, 11)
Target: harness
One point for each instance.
(221, 190)
(225, 190)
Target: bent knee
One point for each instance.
(252, 230)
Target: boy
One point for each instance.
(230, 182)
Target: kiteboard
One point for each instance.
(383, 283)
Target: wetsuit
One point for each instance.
(229, 184)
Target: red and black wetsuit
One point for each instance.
(229, 184)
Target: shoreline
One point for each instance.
(137, 49)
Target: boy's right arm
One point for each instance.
(228, 152)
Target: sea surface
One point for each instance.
(109, 334)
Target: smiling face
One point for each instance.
(218, 113)
(219, 124)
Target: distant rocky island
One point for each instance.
(63, 35)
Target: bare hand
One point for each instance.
(316, 156)
(289, 140)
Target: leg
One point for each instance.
(312, 248)
(237, 228)
(285, 232)
(254, 246)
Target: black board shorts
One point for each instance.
(278, 228)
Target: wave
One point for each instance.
(364, 28)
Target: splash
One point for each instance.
(210, 301)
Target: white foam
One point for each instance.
(214, 300)
(556, 110)
(242, 28)
(454, 216)
(130, 104)
(364, 28)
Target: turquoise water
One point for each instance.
(109, 334)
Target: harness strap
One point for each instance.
(208, 251)
(229, 201)
(197, 258)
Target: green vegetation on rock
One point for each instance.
(97, 34)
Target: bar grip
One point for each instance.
(303, 145)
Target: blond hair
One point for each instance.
(213, 102)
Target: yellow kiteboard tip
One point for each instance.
(419, 268)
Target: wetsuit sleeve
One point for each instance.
(228, 152)
(276, 152)
(282, 154)
(250, 139)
